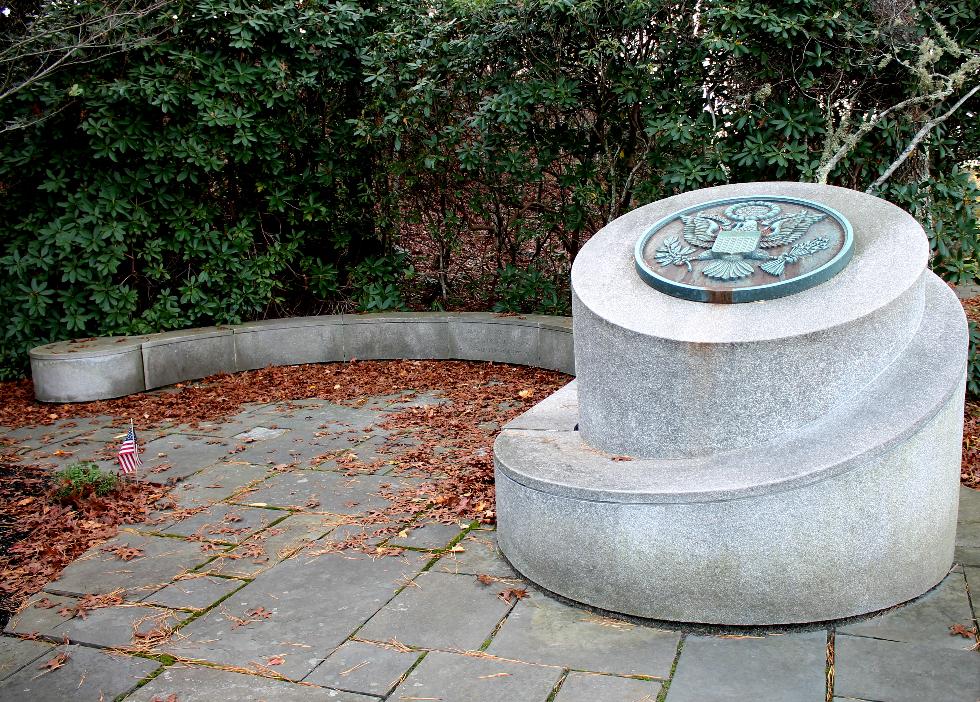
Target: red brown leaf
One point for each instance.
(512, 594)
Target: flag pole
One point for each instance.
(136, 446)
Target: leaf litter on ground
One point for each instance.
(452, 453)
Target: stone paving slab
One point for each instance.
(449, 677)
(543, 630)
(288, 449)
(317, 413)
(110, 436)
(969, 505)
(973, 579)
(452, 612)
(967, 551)
(223, 522)
(194, 593)
(373, 456)
(267, 548)
(927, 620)
(36, 617)
(365, 668)
(718, 669)
(259, 433)
(89, 675)
(332, 493)
(182, 454)
(117, 627)
(585, 687)
(236, 424)
(17, 653)
(315, 604)
(480, 556)
(33, 437)
(196, 684)
(411, 399)
(99, 571)
(217, 482)
(354, 531)
(62, 454)
(428, 536)
(900, 672)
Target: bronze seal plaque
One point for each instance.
(744, 249)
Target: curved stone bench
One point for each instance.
(101, 368)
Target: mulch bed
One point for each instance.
(970, 470)
(41, 534)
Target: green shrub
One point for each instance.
(973, 362)
(528, 290)
(377, 282)
(80, 479)
(255, 159)
(188, 181)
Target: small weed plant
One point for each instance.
(80, 479)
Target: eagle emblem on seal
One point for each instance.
(732, 246)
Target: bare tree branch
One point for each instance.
(919, 136)
(62, 34)
(933, 90)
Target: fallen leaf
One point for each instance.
(55, 662)
(512, 593)
(960, 630)
(486, 579)
(275, 660)
(253, 551)
(126, 553)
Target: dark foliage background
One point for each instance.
(231, 160)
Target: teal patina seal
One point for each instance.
(744, 249)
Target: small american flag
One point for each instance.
(129, 453)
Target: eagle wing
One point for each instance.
(788, 229)
(700, 231)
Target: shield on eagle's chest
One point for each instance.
(740, 239)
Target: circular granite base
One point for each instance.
(850, 514)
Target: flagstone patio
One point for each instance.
(264, 610)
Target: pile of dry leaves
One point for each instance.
(970, 471)
(221, 396)
(40, 534)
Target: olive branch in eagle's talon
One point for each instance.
(775, 266)
(673, 252)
